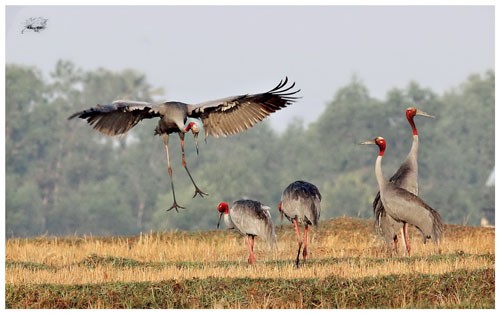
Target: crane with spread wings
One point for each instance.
(220, 117)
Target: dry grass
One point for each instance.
(342, 247)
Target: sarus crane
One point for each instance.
(405, 177)
(301, 204)
(250, 218)
(405, 207)
(220, 117)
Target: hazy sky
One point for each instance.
(198, 53)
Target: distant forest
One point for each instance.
(64, 178)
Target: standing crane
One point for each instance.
(221, 117)
(250, 218)
(405, 177)
(301, 203)
(403, 206)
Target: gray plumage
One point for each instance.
(403, 206)
(302, 200)
(301, 204)
(220, 117)
(406, 177)
(252, 218)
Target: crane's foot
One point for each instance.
(297, 260)
(297, 263)
(199, 192)
(252, 260)
(176, 206)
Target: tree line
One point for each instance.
(63, 177)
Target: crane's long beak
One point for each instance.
(368, 142)
(281, 214)
(425, 114)
(196, 142)
(195, 129)
(218, 223)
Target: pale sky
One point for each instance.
(199, 53)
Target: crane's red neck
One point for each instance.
(410, 114)
(223, 207)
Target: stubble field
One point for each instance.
(348, 267)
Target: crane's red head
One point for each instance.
(380, 142)
(193, 127)
(411, 113)
(223, 208)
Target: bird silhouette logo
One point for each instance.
(35, 24)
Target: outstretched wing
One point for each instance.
(231, 115)
(117, 117)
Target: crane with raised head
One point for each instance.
(250, 218)
(220, 117)
(405, 177)
(301, 204)
(405, 207)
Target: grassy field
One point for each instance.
(348, 267)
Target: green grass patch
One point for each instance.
(28, 265)
(93, 261)
(458, 289)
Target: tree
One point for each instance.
(63, 177)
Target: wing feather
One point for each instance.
(118, 117)
(406, 206)
(231, 115)
(400, 179)
(302, 199)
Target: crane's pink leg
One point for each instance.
(304, 251)
(407, 240)
(250, 241)
(174, 205)
(296, 223)
(402, 230)
(184, 164)
(395, 239)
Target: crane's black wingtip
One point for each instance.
(74, 115)
(286, 92)
(281, 84)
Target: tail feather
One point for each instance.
(437, 226)
(316, 208)
(270, 234)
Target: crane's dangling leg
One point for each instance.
(184, 164)
(165, 142)
(405, 237)
(304, 251)
(296, 223)
(250, 241)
